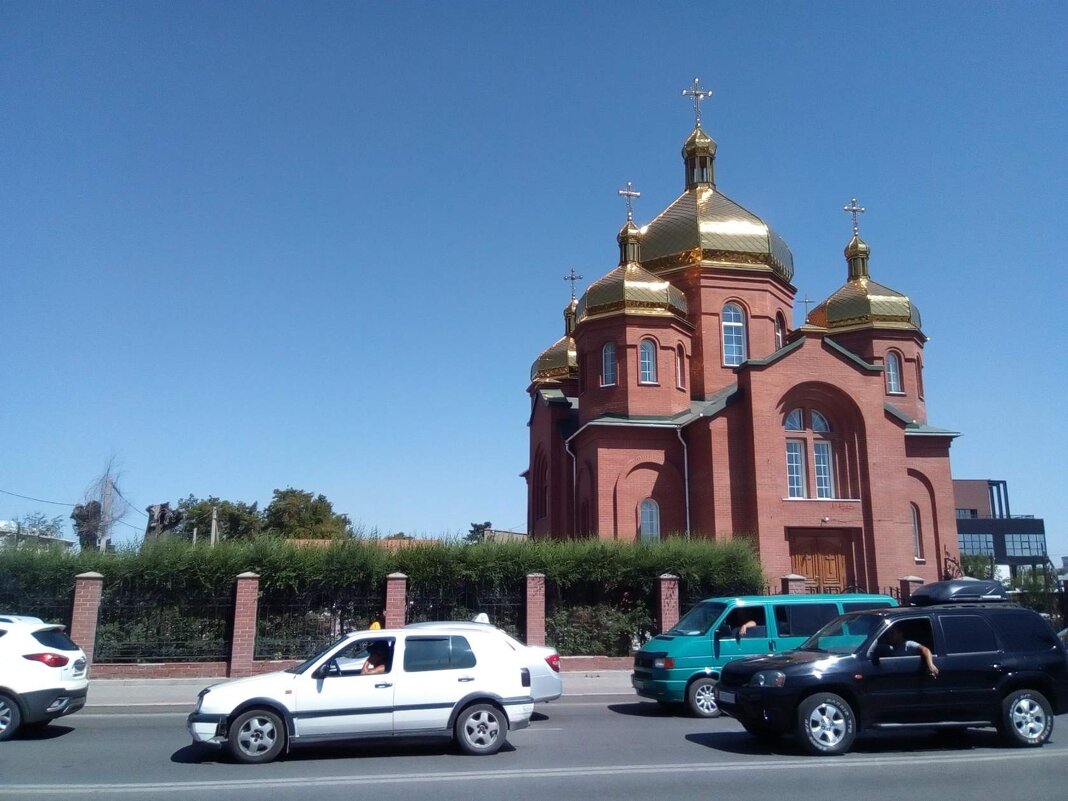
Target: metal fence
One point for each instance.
(46, 602)
(505, 606)
(150, 630)
(297, 626)
(587, 618)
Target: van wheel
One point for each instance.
(826, 724)
(258, 735)
(481, 730)
(10, 716)
(701, 698)
(1026, 718)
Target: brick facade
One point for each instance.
(535, 609)
(246, 608)
(88, 588)
(396, 600)
(668, 601)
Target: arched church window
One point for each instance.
(649, 526)
(917, 532)
(815, 439)
(780, 331)
(734, 343)
(919, 377)
(647, 362)
(893, 374)
(608, 364)
(680, 367)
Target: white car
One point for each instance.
(43, 674)
(466, 684)
(542, 661)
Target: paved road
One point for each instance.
(583, 747)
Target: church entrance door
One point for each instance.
(824, 558)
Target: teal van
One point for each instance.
(682, 665)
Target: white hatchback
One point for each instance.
(467, 685)
(43, 674)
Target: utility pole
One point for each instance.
(194, 535)
(214, 525)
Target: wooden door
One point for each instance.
(823, 559)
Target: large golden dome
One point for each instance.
(862, 302)
(560, 360)
(705, 226)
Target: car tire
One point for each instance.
(257, 736)
(481, 730)
(826, 724)
(701, 698)
(10, 716)
(1026, 718)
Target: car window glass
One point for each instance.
(901, 632)
(748, 621)
(352, 659)
(53, 638)
(1024, 632)
(968, 634)
(803, 620)
(462, 655)
(698, 620)
(860, 606)
(426, 653)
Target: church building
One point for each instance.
(679, 402)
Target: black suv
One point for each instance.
(996, 664)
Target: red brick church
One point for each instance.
(680, 402)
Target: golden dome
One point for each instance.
(863, 303)
(558, 362)
(704, 225)
(699, 142)
(631, 289)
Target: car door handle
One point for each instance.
(466, 678)
(383, 685)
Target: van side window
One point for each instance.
(1024, 632)
(860, 606)
(968, 634)
(803, 620)
(750, 618)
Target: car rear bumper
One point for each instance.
(49, 704)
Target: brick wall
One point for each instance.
(535, 632)
(87, 591)
(246, 609)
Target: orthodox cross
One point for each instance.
(629, 194)
(698, 94)
(572, 277)
(807, 303)
(854, 209)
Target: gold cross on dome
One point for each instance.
(572, 277)
(854, 209)
(698, 94)
(629, 193)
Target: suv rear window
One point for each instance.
(53, 638)
(968, 634)
(1023, 631)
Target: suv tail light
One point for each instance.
(52, 660)
(553, 661)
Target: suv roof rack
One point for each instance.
(962, 590)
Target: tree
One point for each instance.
(37, 524)
(103, 507)
(977, 565)
(478, 532)
(296, 514)
(236, 519)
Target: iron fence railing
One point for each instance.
(505, 606)
(295, 627)
(149, 631)
(47, 603)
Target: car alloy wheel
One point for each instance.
(481, 729)
(826, 724)
(257, 736)
(701, 698)
(10, 716)
(1027, 718)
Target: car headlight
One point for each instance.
(664, 663)
(768, 678)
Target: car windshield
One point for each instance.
(698, 620)
(844, 635)
(308, 663)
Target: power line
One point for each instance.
(135, 508)
(39, 500)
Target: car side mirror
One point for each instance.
(328, 668)
(723, 631)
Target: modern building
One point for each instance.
(679, 402)
(14, 535)
(987, 527)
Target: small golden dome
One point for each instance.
(556, 363)
(857, 247)
(699, 142)
(631, 289)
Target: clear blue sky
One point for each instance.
(256, 245)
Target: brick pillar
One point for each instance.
(246, 612)
(906, 584)
(535, 609)
(792, 584)
(396, 600)
(668, 614)
(87, 590)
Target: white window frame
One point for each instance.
(680, 367)
(647, 362)
(917, 532)
(609, 373)
(649, 520)
(796, 469)
(823, 463)
(894, 385)
(735, 345)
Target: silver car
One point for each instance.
(542, 662)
